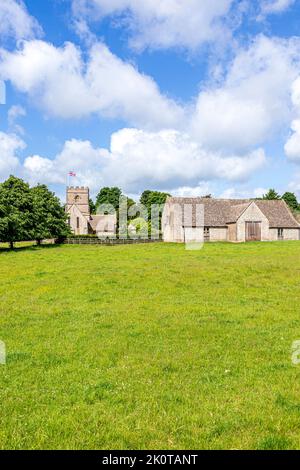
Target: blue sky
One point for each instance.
(187, 96)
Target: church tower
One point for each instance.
(78, 196)
(78, 209)
(81, 221)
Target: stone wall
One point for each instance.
(218, 234)
(273, 234)
(291, 234)
(78, 222)
(252, 214)
(288, 234)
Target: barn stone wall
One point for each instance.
(273, 234)
(291, 234)
(252, 214)
(288, 234)
(218, 234)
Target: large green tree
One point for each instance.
(291, 200)
(114, 197)
(148, 198)
(271, 195)
(154, 198)
(16, 211)
(109, 196)
(49, 218)
(144, 199)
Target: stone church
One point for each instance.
(80, 219)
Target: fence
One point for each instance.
(109, 241)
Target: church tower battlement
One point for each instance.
(78, 196)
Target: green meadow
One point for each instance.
(150, 347)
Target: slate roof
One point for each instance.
(220, 212)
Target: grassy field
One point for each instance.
(150, 346)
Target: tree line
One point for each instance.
(137, 218)
(35, 213)
(113, 197)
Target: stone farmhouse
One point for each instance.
(228, 220)
(80, 219)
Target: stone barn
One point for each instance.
(227, 220)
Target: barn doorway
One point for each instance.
(253, 231)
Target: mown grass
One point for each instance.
(150, 347)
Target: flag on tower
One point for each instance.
(71, 173)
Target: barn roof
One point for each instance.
(278, 213)
(220, 212)
(236, 211)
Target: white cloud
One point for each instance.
(162, 24)
(238, 114)
(10, 145)
(232, 192)
(39, 169)
(16, 22)
(294, 185)
(76, 155)
(138, 159)
(135, 160)
(242, 193)
(220, 139)
(292, 146)
(275, 6)
(253, 101)
(169, 158)
(65, 85)
(202, 189)
(14, 113)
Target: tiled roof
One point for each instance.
(278, 213)
(236, 211)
